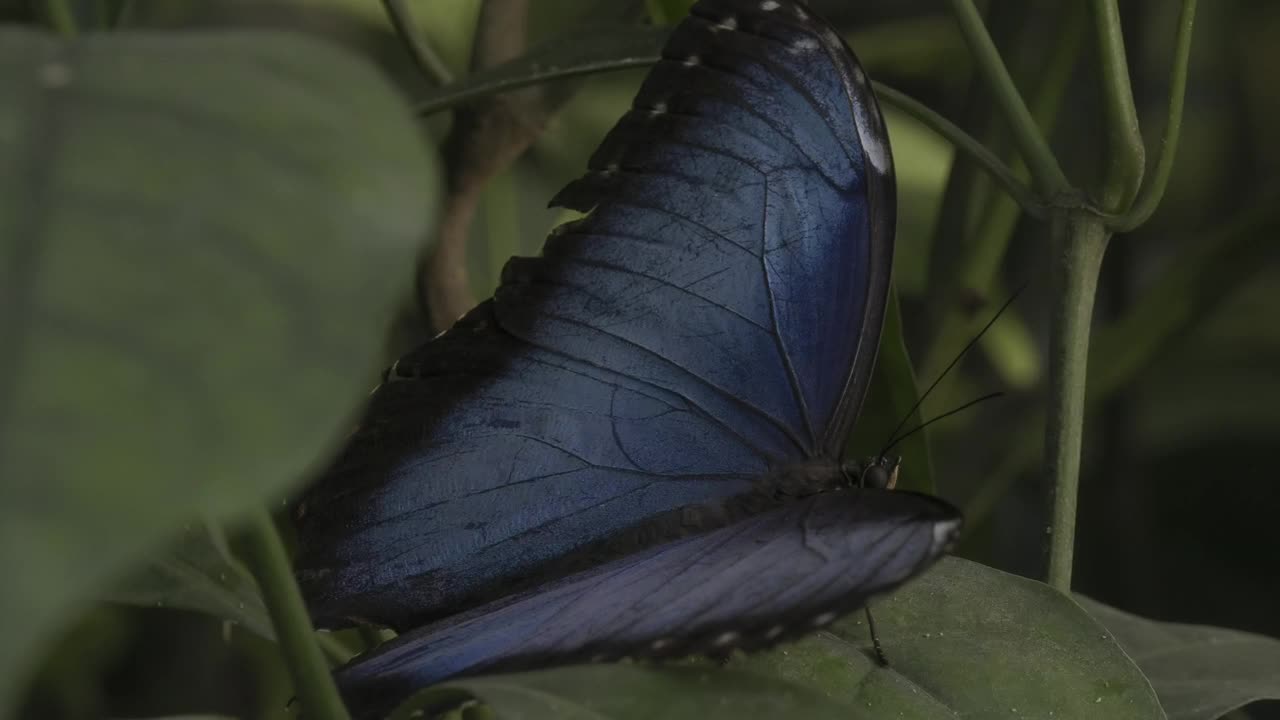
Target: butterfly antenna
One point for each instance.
(947, 414)
(893, 436)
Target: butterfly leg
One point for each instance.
(720, 657)
(875, 640)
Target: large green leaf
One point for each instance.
(1199, 672)
(198, 572)
(963, 640)
(200, 238)
(628, 692)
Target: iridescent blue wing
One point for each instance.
(750, 585)
(739, 235)
(712, 319)
(482, 458)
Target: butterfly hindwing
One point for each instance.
(764, 580)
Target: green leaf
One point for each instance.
(199, 573)
(434, 702)
(627, 692)
(1199, 672)
(200, 239)
(667, 12)
(964, 640)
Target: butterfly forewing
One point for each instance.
(738, 244)
(496, 458)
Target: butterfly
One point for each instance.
(633, 449)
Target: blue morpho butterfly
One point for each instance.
(633, 449)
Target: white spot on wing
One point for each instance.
(729, 23)
(871, 132)
(726, 638)
(769, 5)
(823, 619)
(692, 60)
(877, 153)
(944, 533)
(804, 44)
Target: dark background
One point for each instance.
(1179, 491)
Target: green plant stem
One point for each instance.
(965, 143)
(1153, 191)
(984, 248)
(995, 230)
(424, 56)
(61, 17)
(1078, 242)
(1192, 287)
(335, 651)
(1126, 153)
(1044, 167)
(265, 555)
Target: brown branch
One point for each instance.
(486, 138)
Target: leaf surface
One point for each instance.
(200, 238)
(1200, 672)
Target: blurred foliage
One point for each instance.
(184, 219)
(1178, 494)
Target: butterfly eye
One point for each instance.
(880, 474)
(875, 476)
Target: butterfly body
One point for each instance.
(654, 410)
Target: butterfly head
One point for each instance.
(879, 472)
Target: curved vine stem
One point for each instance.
(265, 555)
(1153, 191)
(1031, 142)
(966, 143)
(1126, 153)
(975, 269)
(424, 56)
